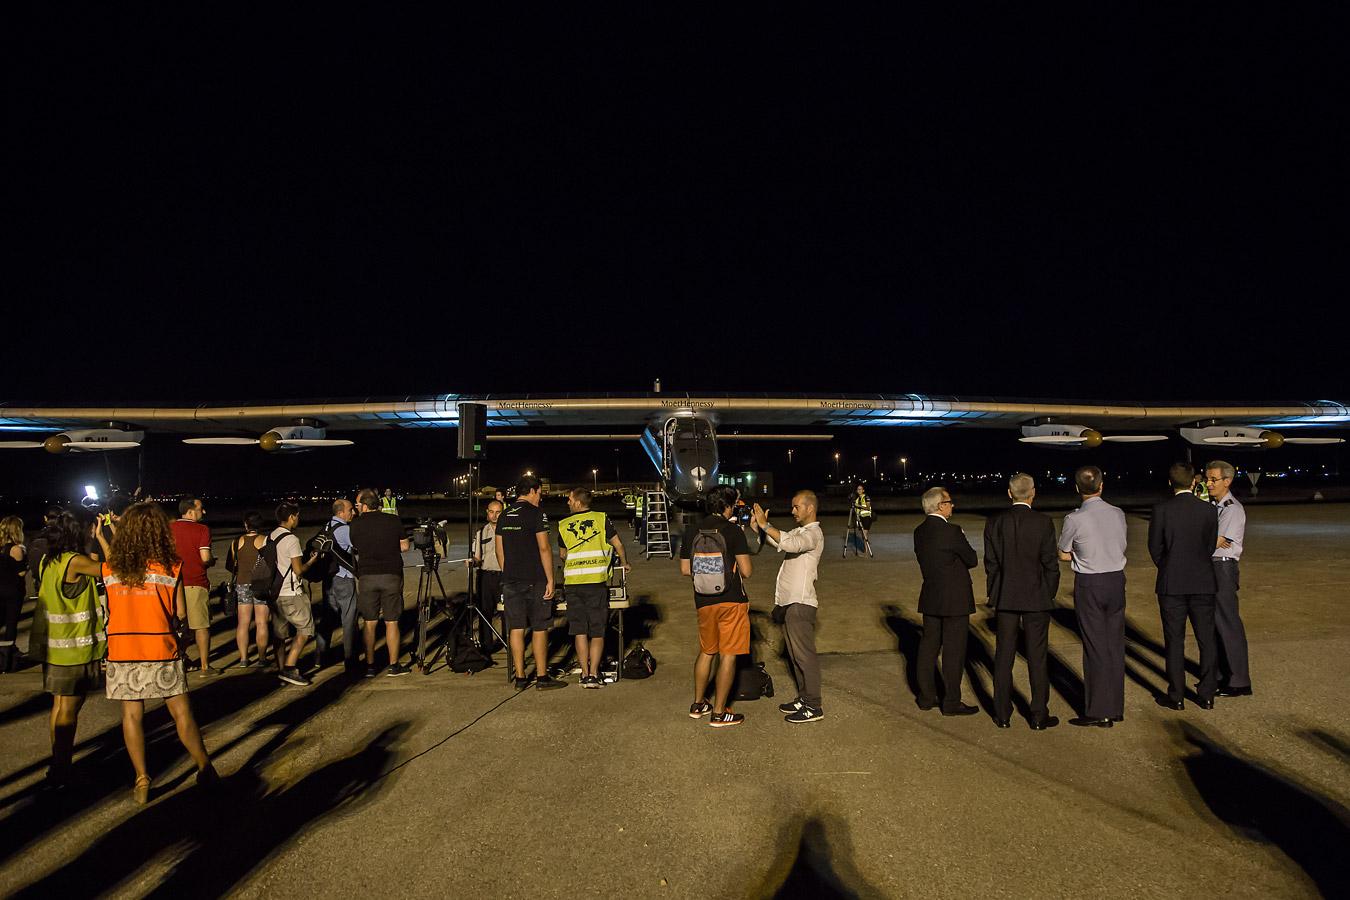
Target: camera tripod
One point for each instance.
(429, 577)
(856, 537)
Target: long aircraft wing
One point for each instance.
(728, 411)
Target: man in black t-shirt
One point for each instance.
(378, 541)
(724, 616)
(527, 580)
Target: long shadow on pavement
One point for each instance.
(907, 635)
(818, 863)
(223, 834)
(1325, 740)
(1262, 805)
(38, 703)
(105, 771)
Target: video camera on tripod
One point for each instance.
(424, 535)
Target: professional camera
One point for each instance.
(424, 535)
(742, 515)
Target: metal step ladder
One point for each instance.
(656, 530)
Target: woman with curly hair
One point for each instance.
(146, 600)
(67, 636)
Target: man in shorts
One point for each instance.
(584, 541)
(527, 581)
(292, 607)
(723, 616)
(379, 543)
(193, 542)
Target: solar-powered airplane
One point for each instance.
(680, 432)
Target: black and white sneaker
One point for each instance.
(805, 714)
(700, 709)
(590, 682)
(726, 719)
(396, 670)
(292, 676)
(791, 707)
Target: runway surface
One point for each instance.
(451, 785)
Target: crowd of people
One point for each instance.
(123, 601)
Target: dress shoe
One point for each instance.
(961, 709)
(925, 705)
(1234, 692)
(1085, 722)
(1206, 704)
(1003, 723)
(1168, 703)
(1042, 724)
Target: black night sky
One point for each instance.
(1123, 206)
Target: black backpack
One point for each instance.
(331, 556)
(639, 663)
(266, 580)
(464, 657)
(752, 681)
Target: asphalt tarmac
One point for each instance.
(454, 785)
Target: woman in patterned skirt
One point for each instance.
(145, 600)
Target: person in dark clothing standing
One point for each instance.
(946, 602)
(13, 565)
(379, 544)
(1182, 535)
(527, 581)
(1021, 579)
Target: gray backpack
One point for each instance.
(707, 562)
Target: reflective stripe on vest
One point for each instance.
(583, 535)
(140, 627)
(862, 505)
(389, 505)
(67, 631)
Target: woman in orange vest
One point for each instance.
(145, 601)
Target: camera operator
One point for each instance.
(379, 543)
(489, 565)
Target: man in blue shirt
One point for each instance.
(339, 587)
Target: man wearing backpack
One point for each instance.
(292, 606)
(336, 572)
(795, 603)
(717, 556)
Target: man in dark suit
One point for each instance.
(946, 602)
(1022, 577)
(1182, 536)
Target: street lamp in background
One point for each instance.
(874, 465)
(904, 463)
(790, 452)
(836, 465)
(595, 484)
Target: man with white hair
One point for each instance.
(1021, 578)
(1235, 679)
(946, 602)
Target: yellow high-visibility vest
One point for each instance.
(583, 535)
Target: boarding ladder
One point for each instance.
(656, 530)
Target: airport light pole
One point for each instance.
(874, 465)
(790, 452)
(836, 466)
(904, 463)
(595, 484)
